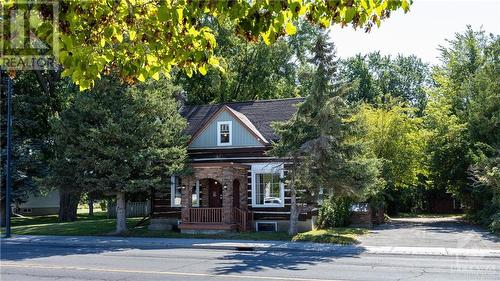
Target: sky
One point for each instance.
(420, 31)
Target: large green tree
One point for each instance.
(32, 108)
(464, 114)
(118, 140)
(380, 79)
(252, 71)
(320, 143)
(142, 38)
(399, 140)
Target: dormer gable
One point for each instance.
(227, 128)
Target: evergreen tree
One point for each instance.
(320, 142)
(32, 108)
(118, 140)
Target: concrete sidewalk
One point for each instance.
(162, 243)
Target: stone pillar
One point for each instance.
(243, 179)
(227, 195)
(186, 198)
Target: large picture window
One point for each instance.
(267, 187)
(268, 190)
(224, 133)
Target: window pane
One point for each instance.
(224, 137)
(177, 191)
(224, 133)
(195, 196)
(268, 189)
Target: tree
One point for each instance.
(399, 140)
(464, 114)
(382, 78)
(319, 141)
(142, 39)
(252, 71)
(118, 140)
(31, 137)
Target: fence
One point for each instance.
(134, 209)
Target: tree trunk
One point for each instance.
(294, 212)
(294, 208)
(91, 207)
(68, 204)
(121, 213)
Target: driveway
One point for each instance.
(448, 232)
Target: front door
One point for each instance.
(214, 194)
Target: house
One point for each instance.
(46, 204)
(234, 185)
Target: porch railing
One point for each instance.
(241, 218)
(206, 215)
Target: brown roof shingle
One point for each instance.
(261, 113)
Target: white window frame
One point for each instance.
(269, 222)
(173, 186)
(197, 191)
(230, 126)
(268, 168)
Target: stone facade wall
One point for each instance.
(225, 175)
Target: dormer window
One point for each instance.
(224, 129)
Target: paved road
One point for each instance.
(449, 232)
(26, 262)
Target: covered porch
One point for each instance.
(217, 200)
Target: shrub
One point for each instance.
(495, 223)
(334, 212)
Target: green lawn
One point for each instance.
(100, 225)
(415, 215)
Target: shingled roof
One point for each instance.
(261, 113)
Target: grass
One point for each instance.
(340, 235)
(99, 224)
(415, 215)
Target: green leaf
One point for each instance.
(189, 72)
(202, 69)
(132, 34)
(349, 14)
(119, 37)
(290, 28)
(213, 61)
(141, 77)
(156, 76)
(179, 14)
(405, 5)
(163, 13)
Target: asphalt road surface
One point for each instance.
(29, 262)
(449, 232)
